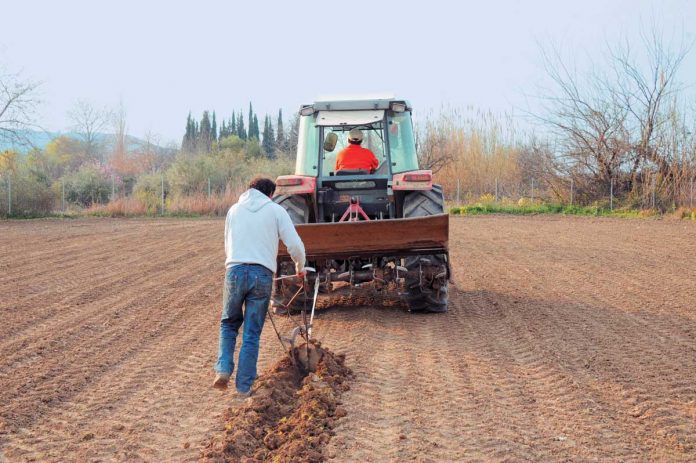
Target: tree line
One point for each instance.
(99, 164)
(200, 136)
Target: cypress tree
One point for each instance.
(251, 121)
(213, 129)
(280, 138)
(241, 131)
(205, 133)
(268, 137)
(293, 134)
(256, 133)
(186, 142)
(195, 145)
(232, 127)
(223, 130)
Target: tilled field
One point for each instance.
(567, 339)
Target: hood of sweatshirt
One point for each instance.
(253, 200)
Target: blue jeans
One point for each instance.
(248, 285)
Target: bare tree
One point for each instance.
(18, 103)
(88, 121)
(119, 159)
(650, 95)
(148, 153)
(611, 126)
(433, 147)
(586, 121)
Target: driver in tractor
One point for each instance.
(354, 156)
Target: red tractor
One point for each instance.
(381, 229)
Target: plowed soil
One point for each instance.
(566, 339)
(291, 414)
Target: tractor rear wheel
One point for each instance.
(297, 207)
(283, 290)
(423, 294)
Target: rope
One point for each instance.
(275, 328)
(270, 315)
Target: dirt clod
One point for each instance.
(289, 417)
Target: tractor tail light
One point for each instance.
(289, 181)
(421, 177)
(295, 185)
(416, 180)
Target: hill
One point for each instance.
(39, 139)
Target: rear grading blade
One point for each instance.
(390, 237)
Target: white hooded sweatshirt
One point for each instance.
(252, 229)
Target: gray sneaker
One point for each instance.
(221, 380)
(243, 395)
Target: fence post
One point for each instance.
(691, 194)
(9, 194)
(571, 191)
(62, 195)
(496, 190)
(653, 192)
(458, 197)
(162, 181)
(532, 190)
(611, 195)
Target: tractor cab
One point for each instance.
(387, 132)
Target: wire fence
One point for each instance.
(21, 198)
(17, 198)
(648, 194)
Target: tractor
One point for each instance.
(380, 230)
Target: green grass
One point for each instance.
(469, 209)
(47, 215)
(494, 208)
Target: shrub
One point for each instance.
(90, 184)
(200, 204)
(148, 191)
(31, 194)
(121, 207)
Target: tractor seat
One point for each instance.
(353, 172)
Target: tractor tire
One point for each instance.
(432, 297)
(283, 290)
(297, 207)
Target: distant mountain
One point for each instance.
(39, 139)
(34, 138)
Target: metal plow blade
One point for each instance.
(390, 237)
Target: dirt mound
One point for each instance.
(289, 417)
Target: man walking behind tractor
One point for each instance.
(252, 229)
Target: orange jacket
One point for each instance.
(356, 157)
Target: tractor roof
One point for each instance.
(354, 102)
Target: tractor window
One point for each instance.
(401, 142)
(373, 139)
(307, 147)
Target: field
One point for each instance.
(567, 339)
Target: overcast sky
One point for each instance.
(164, 58)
